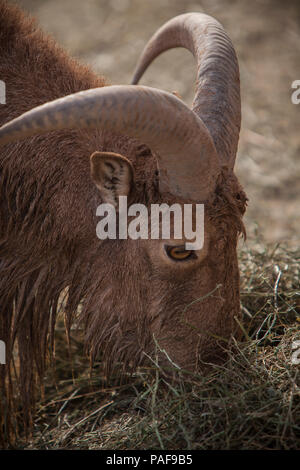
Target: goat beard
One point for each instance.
(121, 334)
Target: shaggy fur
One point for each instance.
(48, 243)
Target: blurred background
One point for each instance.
(110, 35)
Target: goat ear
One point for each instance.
(113, 175)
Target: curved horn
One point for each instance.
(217, 99)
(157, 118)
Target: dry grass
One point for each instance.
(251, 402)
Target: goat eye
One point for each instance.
(179, 253)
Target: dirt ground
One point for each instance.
(110, 35)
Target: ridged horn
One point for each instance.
(156, 118)
(217, 97)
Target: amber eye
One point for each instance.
(179, 253)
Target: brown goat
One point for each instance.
(145, 144)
